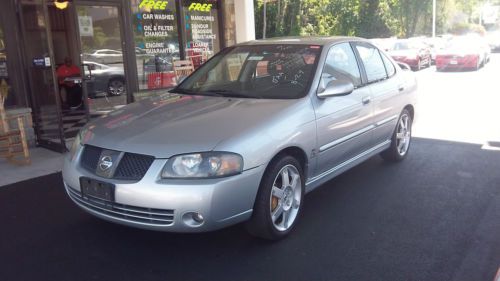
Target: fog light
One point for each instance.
(193, 219)
(197, 217)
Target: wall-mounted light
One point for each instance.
(61, 4)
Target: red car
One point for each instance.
(412, 52)
(463, 53)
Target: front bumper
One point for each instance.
(159, 204)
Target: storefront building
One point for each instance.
(63, 63)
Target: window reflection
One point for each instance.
(157, 44)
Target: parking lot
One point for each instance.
(434, 216)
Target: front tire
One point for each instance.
(116, 87)
(279, 200)
(401, 139)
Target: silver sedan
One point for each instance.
(244, 137)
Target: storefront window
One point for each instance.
(156, 42)
(4, 74)
(201, 29)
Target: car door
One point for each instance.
(343, 122)
(384, 86)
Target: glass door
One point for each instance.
(46, 100)
(102, 57)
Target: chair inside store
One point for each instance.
(182, 69)
(13, 142)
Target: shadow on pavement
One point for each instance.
(432, 217)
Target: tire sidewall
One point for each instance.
(394, 138)
(392, 154)
(262, 209)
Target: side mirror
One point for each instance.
(336, 88)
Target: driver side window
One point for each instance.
(341, 64)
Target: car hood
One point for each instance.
(171, 124)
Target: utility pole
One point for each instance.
(264, 20)
(433, 18)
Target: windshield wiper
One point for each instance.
(189, 92)
(228, 93)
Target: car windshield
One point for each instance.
(399, 46)
(462, 43)
(257, 71)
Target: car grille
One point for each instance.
(142, 215)
(131, 167)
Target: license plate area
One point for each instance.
(453, 62)
(92, 188)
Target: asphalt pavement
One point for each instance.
(435, 216)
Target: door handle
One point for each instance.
(401, 88)
(366, 100)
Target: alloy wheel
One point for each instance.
(285, 197)
(403, 135)
(116, 87)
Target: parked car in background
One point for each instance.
(233, 144)
(384, 44)
(412, 52)
(435, 45)
(105, 56)
(493, 38)
(463, 53)
(104, 79)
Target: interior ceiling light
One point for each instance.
(61, 4)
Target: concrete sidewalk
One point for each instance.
(43, 162)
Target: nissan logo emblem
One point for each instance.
(105, 163)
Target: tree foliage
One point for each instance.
(364, 18)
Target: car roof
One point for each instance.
(304, 40)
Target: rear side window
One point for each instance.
(389, 66)
(374, 66)
(341, 64)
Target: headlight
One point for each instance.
(77, 143)
(203, 165)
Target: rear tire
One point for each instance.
(401, 139)
(279, 200)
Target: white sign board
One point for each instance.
(86, 27)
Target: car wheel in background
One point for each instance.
(116, 87)
(401, 139)
(279, 200)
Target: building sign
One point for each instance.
(201, 29)
(86, 26)
(39, 62)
